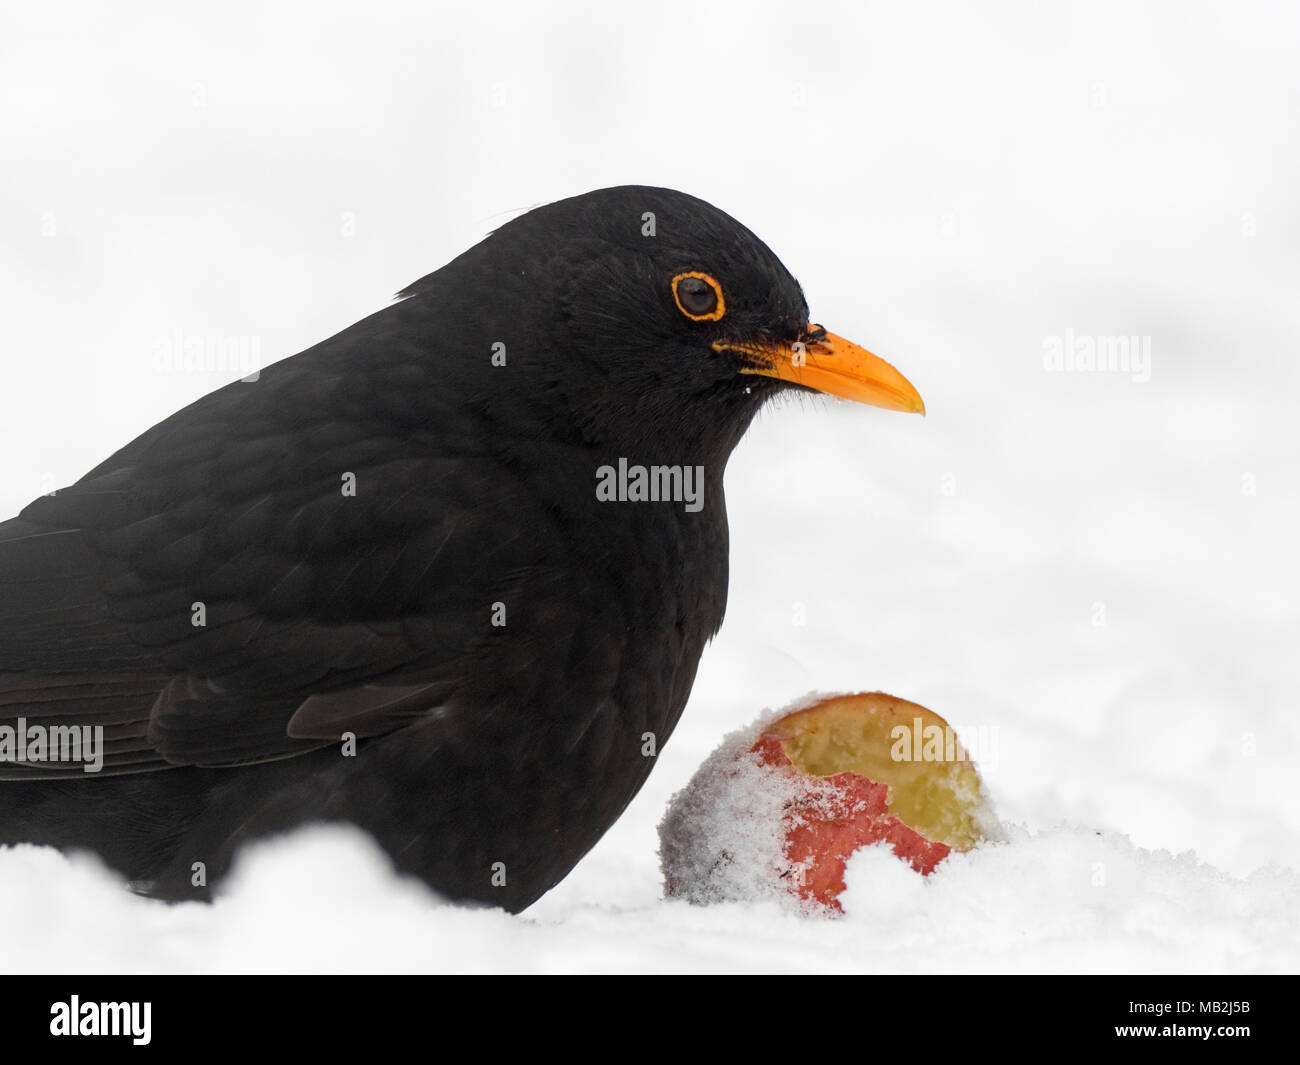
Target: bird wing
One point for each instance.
(265, 570)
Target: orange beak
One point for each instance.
(831, 364)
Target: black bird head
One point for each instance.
(674, 319)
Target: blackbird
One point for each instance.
(446, 575)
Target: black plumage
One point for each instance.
(352, 528)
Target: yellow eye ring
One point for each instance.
(696, 302)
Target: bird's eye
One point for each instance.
(699, 297)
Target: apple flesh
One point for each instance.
(870, 768)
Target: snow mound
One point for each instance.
(325, 899)
(1076, 900)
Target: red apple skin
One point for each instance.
(822, 833)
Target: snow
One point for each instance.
(325, 900)
(722, 838)
(1095, 570)
(1071, 900)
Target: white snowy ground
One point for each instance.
(1099, 573)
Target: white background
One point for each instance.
(1099, 572)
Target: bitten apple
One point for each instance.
(776, 811)
(870, 768)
